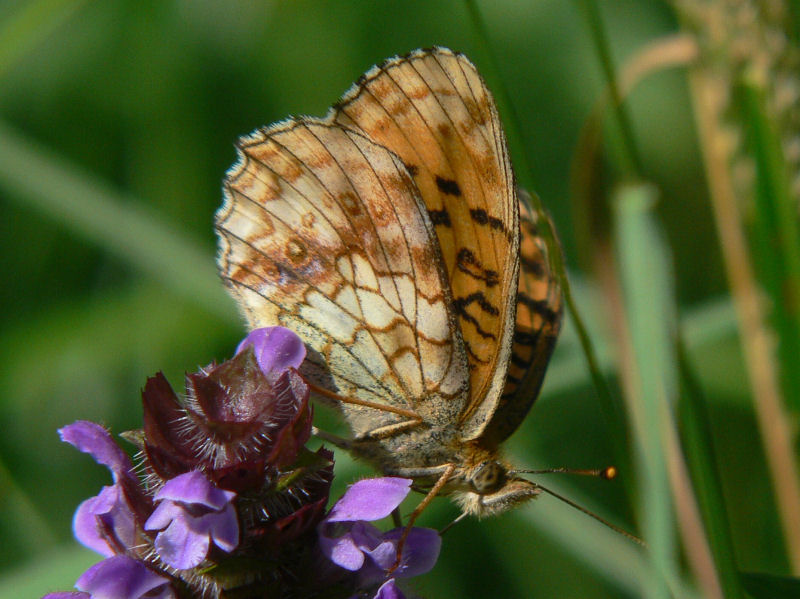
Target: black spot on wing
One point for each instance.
(479, 298)
(461, 310)
(440, 217)
(469, 264)
(480, 216)
(475, 359)
(448, 186)
(540, 307)
(525, 338)
(412, 169)
(519, 361)
(531, 266)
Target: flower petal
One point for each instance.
(420, 551)
(180, 546)
(121, 577)
(224, 528)
(93, 439)
(108, 511)
(343, 552)
(389, 590)
(163, 515)
(370, 499)
(276, 349)
(194, 487)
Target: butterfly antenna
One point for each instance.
(613, 527)
(606, 473)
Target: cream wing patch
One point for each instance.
(323, 231)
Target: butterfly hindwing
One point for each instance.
(323, 231)
(432, 109)
(538, 322)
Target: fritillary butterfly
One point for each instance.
(391, 237)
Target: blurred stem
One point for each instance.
(702, 460)
(631, 162)
(585, 176)
(649, 377)
(708, 99)
(29, 25)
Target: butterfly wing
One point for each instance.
(538, 322)
(323, 231)
(432, 109)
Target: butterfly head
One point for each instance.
(493, 489)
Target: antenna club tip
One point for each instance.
(609, 473)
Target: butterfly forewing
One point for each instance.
(432, 109)
(323, 232)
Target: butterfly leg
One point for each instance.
(390, 430)
(445, 476)
(340, 442)
(378, 433)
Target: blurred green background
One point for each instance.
(117, 123)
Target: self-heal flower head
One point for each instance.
(238, 420)
(192, 513)
(349, 541)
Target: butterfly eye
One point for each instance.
(488, 478)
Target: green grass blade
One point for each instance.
(777, 238)
(647, 292)
(631, 162)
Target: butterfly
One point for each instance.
(390, 235)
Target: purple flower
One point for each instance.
(107, 523)
(121, 577)
(191, 513)
(350, 542)
(276, 349)
(91, 438)
(118, 577)
(389, 590)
